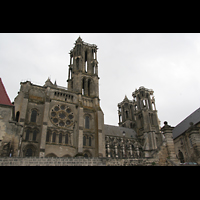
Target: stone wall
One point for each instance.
(33, 161)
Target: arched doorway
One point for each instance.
(29, 151)
(87, 154)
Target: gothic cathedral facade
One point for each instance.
(61, 122)
(68, 122)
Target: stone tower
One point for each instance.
(141, 115)
(145, 110)
(83, 79)
(83, 70)
(126, 113)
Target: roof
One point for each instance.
(185, 124)
(118, 131)
(4, 99)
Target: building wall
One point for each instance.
(188, 143)
(10, 132)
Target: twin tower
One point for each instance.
(139, 114)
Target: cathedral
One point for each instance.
(54, 121)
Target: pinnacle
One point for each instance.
(79, 39)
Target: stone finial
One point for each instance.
(79, 40)
(48, 82)
(165, 123)
(166, 126)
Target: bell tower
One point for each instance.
(141, 115)
(83, 69)
(126, 113)
(83, 80)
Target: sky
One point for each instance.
(168, 63)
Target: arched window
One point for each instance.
(33, 116)
(60, 138)
(77, 63)
(66, 139)
(126, 114)
(35, 135)
(54, 137)
(89, 86)
(83, 87)
(90, 141)
(17, 116)
(48, 136)
(87, 122)
(27, 134)
(84, 140)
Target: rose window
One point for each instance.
(62, 116)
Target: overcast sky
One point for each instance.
(167, 63)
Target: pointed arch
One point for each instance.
(34, 114)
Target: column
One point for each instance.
(167, 131)
(101, 134)
(44, 126)
(80, 131)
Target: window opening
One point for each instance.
(34, 135)
(48, 136)
(33, 116)
(17, 116)
(66, 139)
(90, 141)
(83, 87)
(87, 122)
(60, 138)
(84, 140)
(93, 69)
(89, 83)
(54, 137)
(126, 114)
(77, 63)
(70, 74)
(27, 134)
